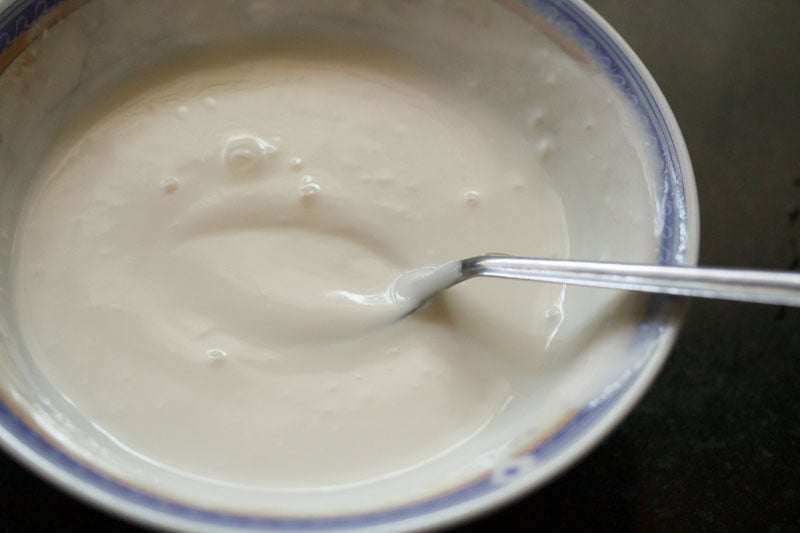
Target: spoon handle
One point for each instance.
(766, 287)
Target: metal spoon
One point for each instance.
(767, 287)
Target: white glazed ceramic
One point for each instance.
(77, 50)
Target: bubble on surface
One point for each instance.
(169, 185)
(182, 110)
(309, 192)
(545, 148)
(243, 153)
(472, 198)
(553, 312)
(210, 102)
(215, 355)
(295, 163)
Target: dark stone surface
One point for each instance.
(715, 444)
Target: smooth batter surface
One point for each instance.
(190, 268)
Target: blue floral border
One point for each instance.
(19, 17)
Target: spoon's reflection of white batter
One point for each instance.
(185, 266)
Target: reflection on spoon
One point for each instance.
(409, 291)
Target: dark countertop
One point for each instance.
(715, 444)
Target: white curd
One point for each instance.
(195, 267)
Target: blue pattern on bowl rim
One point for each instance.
(571, 18)
(20, 16)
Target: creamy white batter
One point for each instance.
(191, 270)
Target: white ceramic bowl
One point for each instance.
(76, 50)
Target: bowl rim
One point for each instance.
(15, 438)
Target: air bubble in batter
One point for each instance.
(245, 153)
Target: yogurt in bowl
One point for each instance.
(200, 208)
